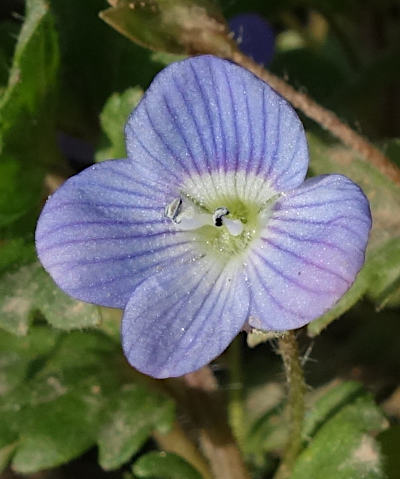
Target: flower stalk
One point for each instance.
(288, 349)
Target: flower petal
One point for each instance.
(181, 319)
(309, 253)
(104, 231)
(205, 114)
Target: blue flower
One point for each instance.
(255, 36)
(208, 226)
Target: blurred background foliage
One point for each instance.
(70, 406)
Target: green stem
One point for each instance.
(288, 349)
(235, 406)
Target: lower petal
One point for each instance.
(181, 319)
(309, 253)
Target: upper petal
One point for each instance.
(104, 231)
(309, 253)
(181, 319)
(205, 114)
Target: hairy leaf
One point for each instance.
(132, 415)
(344, 443)
(29, 289)
(173, 26)
(26, 114)
(63, 393)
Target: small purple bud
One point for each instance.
(255, 36)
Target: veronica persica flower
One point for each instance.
(208, 226)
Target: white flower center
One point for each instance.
(224, 212)
(190, 217)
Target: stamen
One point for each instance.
(235, 227)
(187, 216)
(173, 209)
(219, 213)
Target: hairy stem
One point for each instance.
(294, 374)
(326, 118)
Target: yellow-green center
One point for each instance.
(224, 226)
(220, 240)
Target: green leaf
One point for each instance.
(34, 67)
(166, 58)
(20, 187)
(59, 309)
(27, 139)
(379, 279)
(163, 465)
(15, 252)
(267, 429)
(16, 302)
(113, 119)
(267, 433)
(344, 443)
(64, 392)
(327, 405)
(55, 433)
(30, 288)
(56, 411)
(15, 366)
(173, 26)
(17, 354)
(132, 416)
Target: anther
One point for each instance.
(185, 215)
(173, 209)
(219, 213)
(188, 217)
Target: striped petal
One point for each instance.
(179, 320)
(206, 115)
(309, 253)
(104, 231)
